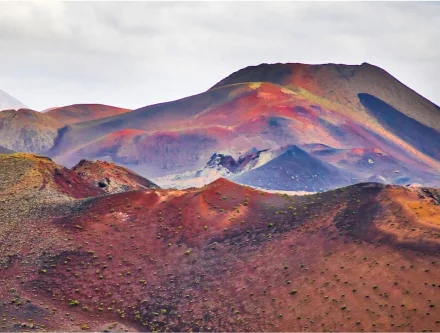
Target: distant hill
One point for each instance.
(310, 168)
(294, 169)
(27, 130)
(83, 112)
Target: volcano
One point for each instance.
(267, 107)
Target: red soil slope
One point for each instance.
(227, 258)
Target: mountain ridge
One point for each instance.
(77, 113)
(268, 106)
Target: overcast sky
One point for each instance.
(139, 53)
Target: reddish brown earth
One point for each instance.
(219, 258)
(77, 113)
(110, 177)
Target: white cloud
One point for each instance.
(133, 54)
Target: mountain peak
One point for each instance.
(285, 73)
(9, 102)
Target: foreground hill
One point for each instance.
(28, 175)
(8, 102)
(348, 108)
(224, 258)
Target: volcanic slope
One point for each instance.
(33, 186)
(267, 107)
(227, 258)
(110, 177)
(294, 169)
(342, 84)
